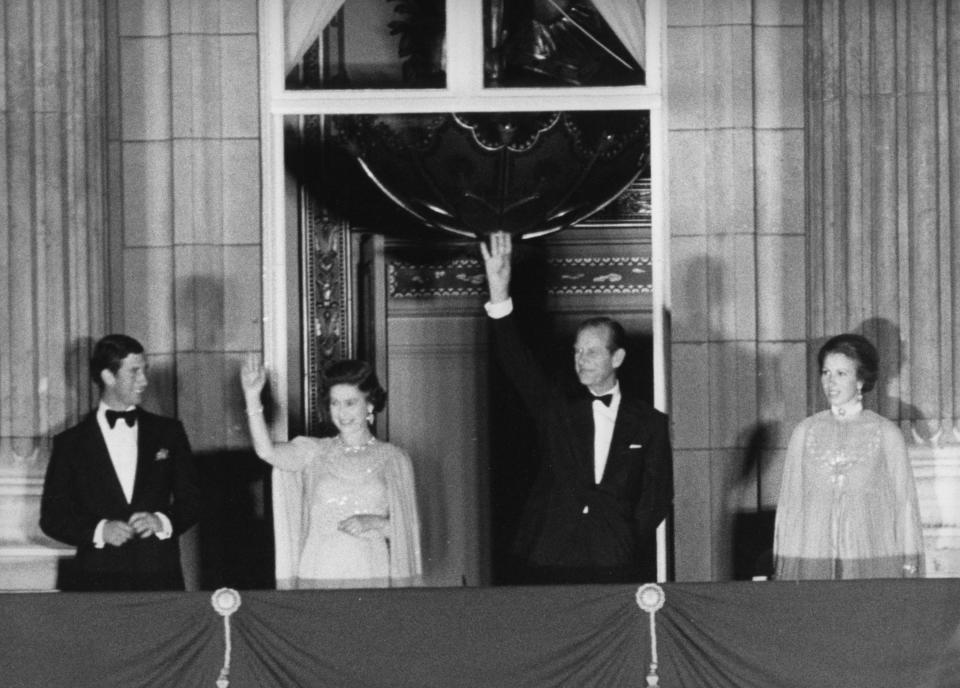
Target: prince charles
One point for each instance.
(121, 485)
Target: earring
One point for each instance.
(859, 394)
(370, 418)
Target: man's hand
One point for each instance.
(496, 260)
(116, 533)
(145, 524)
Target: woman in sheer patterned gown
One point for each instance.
(848, 503)
(345, 513)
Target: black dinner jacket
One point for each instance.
(81, 488)
(569, 521)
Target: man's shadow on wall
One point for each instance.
(752, 529)
(234, 538)
(743, 437)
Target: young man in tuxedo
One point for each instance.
(121, 485)
(605, 477)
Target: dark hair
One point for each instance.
(857, 348)
(109, 352)
(616, 335)
(352, 371)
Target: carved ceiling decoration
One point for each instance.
(470, 174)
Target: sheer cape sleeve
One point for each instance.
(288, 506)
(907, 526)
(787, 538)
(406, 567)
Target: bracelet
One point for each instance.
(255, 412)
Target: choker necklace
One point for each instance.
(356, 448)
(850, 409)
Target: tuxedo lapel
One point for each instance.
(624, 429)
(98, 459)
(146, 444)
(581, 421)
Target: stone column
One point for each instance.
(51, 255)
(883, 87)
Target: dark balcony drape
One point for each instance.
(855, 634)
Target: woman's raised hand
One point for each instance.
(253, 376)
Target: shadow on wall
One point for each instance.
(718, 328)
(752, 529)
(235, 533)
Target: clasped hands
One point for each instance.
(141, 524)
(359, 525)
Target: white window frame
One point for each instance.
(464, 92)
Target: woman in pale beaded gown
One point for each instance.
(848, 504)
(345, 513)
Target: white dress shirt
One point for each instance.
(604, 418)
(121, 441)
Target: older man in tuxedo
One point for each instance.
(605, 481)
(121, 485)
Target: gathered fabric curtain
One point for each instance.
(626, 18)
(303, 22)
(305, 19)
(707, 635)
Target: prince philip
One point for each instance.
(605, 476)
(121, 485)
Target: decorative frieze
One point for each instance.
(565, 276)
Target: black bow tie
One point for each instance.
(129, 417)
(603, 398)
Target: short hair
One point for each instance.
(857, 348)
(616, 335)
(360, 374)
(109, 352)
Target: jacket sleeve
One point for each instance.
(185, 504)
(656, 497)
(62, 515)
(519, 364)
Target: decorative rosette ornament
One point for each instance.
(650, 598)
(225, 602)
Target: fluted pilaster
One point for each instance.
(51, 247)
(883, 196)
(883, 89)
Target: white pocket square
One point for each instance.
(636, 446)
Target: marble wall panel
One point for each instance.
(147, 192)
(148, 304)
(145, 84)
(778, 76)
(780, 182)
(693, 530)
(781, 287)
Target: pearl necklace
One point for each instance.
(356, 448)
